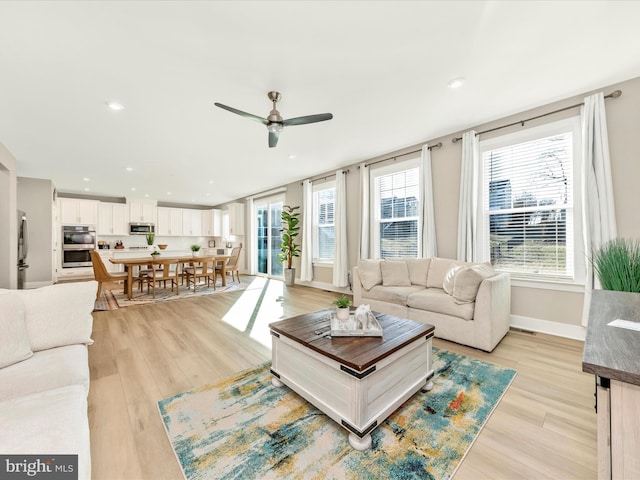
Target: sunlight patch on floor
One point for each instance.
(270, 311)
(239, 315)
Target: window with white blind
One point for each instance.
(396, 210)
(324, 238)
(529, 200)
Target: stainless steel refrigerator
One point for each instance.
(23, 248)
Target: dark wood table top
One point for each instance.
(359, 353)
(612, 352)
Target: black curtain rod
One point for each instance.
(313, 179)
(437, 145)
(614, 94)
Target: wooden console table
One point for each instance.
(612, 354)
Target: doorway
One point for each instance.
(268, 223)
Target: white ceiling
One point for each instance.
(380, 67)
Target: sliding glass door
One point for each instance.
(268, 222)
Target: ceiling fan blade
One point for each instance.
(250, 116)
(273, 139)
(321, 117)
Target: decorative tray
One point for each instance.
(348, 327)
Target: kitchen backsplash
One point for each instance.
(174, 243)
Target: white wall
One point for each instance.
(8, 220)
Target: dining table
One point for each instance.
(130, 263)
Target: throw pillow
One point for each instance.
(395, 273)
(14, 346)
(59, 315)
(467, 282)
(438, 269)
(418, 269)
(370, 275)
(449, 279)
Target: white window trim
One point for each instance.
(317, 188)
(375, 212)
(579, 258)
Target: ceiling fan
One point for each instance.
(274, 122)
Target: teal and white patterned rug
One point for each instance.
(245, 428)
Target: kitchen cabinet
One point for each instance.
(212, 223)
(76, 211)
(191, 222)
(169, 222)
(236, 219)
(611, 354)
(143, 211)
(112, 219)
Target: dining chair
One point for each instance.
(200, 268)
(101, 274)
(232, 265)
(166, 274)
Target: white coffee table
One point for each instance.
(356, 381)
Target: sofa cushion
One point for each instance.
(46, 423)
(59, 314)
(395, 273)
(467, 281)
(14, 339)
(370, 274)
(418, 270)
(396, 295)
(46, 370)
(438, 270)
(438, 301)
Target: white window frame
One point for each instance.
(331, 185)
(382, 171)
(574, 234)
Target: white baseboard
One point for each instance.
(30, 285)
(576, 332)
(325, 286)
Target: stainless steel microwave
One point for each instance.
(141, 228)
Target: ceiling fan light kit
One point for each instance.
(274, 122)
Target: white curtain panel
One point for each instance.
(306, 261)
(598, 214)
(468, 208)
(429, 244)
(364, 211)
(250, 239)
(341, 259)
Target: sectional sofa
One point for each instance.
(468, 303)
(44, 371)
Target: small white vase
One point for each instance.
(196, 254)
(342, 314)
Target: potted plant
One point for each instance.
(195, 250)
(155, 254)
(289, 248)
(617, 264)
(342, 307)
(150, 238)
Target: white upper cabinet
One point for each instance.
(236, 219)
(113, 219)
(76, 211)
(169, 221)
(191, 222)
(212, 223)
(143, 211)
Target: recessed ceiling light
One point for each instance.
(129, 169)
(115, 106)
(210, 182)
(207, 194)
(168, 193)
(456, 83)
(86, 189)
(292, 156)
(146, 195)
(86, 179)
(133, 189)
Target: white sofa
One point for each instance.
(44, 371)
(467, 303)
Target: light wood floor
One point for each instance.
(544, 427)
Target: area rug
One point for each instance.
(245, 428)
(114, 299)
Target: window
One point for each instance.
(324, 238)
(530, 216)
(396, 210)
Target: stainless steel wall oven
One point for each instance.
(77, 243)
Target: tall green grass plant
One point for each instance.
(617, 264)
